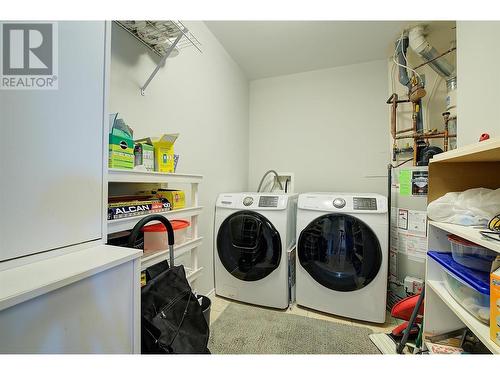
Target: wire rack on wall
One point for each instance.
(164, 38)
(157, 36)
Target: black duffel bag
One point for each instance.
(172, 319)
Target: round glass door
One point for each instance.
(340, 252)
(249, 246)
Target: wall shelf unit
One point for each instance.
(454, 171)
(148, 260)
(126, 223)
(131, 178)
(469, 233)
(123, 175)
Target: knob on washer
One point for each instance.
(247, 201)
(339, 202)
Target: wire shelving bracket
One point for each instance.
(163, 38)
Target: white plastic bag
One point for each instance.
(471, 207)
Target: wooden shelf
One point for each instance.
(134, 176)
(128, 223)
(486, 151)
(469, 233)
(179, 250)
(481, 330)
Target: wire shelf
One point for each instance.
(157, 36)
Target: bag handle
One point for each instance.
(170, 233)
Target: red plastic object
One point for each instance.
(402, 310)
(176, 225)
(484, 137)
(399, 330)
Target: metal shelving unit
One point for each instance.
(164, 38)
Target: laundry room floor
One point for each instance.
(355, 332)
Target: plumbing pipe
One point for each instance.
(425, 136)
(435, 58)
(404, 131)
(446, 117)
(422, 47)
(394, 114)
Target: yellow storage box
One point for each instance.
(177, 198)
(163, 151)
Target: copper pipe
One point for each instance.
(404, 131)
(446, 116)
(425, 136)
(394, 114)
(389, 101)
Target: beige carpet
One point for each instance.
(245, 329)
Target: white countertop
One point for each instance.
(28, 281)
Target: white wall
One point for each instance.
(327, 126)
(478, 52)
(204, 97)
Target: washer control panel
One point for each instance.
(365, 204)
(339, 202)
(247, 201)
(268, 201)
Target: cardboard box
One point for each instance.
(495, 301)
(176, 198)
(164, 151)
(144, 155)
(121, 144)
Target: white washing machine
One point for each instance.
(253, 240)
(342, 254)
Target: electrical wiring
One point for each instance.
(404, 66)
(404, 162)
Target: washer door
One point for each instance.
(340, 252)
(248, 245)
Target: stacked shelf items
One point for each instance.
(458, 170)
(128, 180)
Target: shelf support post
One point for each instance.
(163, 60)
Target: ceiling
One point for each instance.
(272, 48)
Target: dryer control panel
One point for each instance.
(368, 203)
(268, 201)
(255, 201)
(364, 203)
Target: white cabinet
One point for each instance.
(51, 159)
(478, 80)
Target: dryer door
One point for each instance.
(249, 246)
(340, 252)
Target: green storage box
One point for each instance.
(121, 144)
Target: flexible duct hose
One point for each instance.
(265, 175)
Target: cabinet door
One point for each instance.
(51, 154)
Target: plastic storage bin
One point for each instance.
(155, 235)
(470, 288)
(471, 255)
(180, 230)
